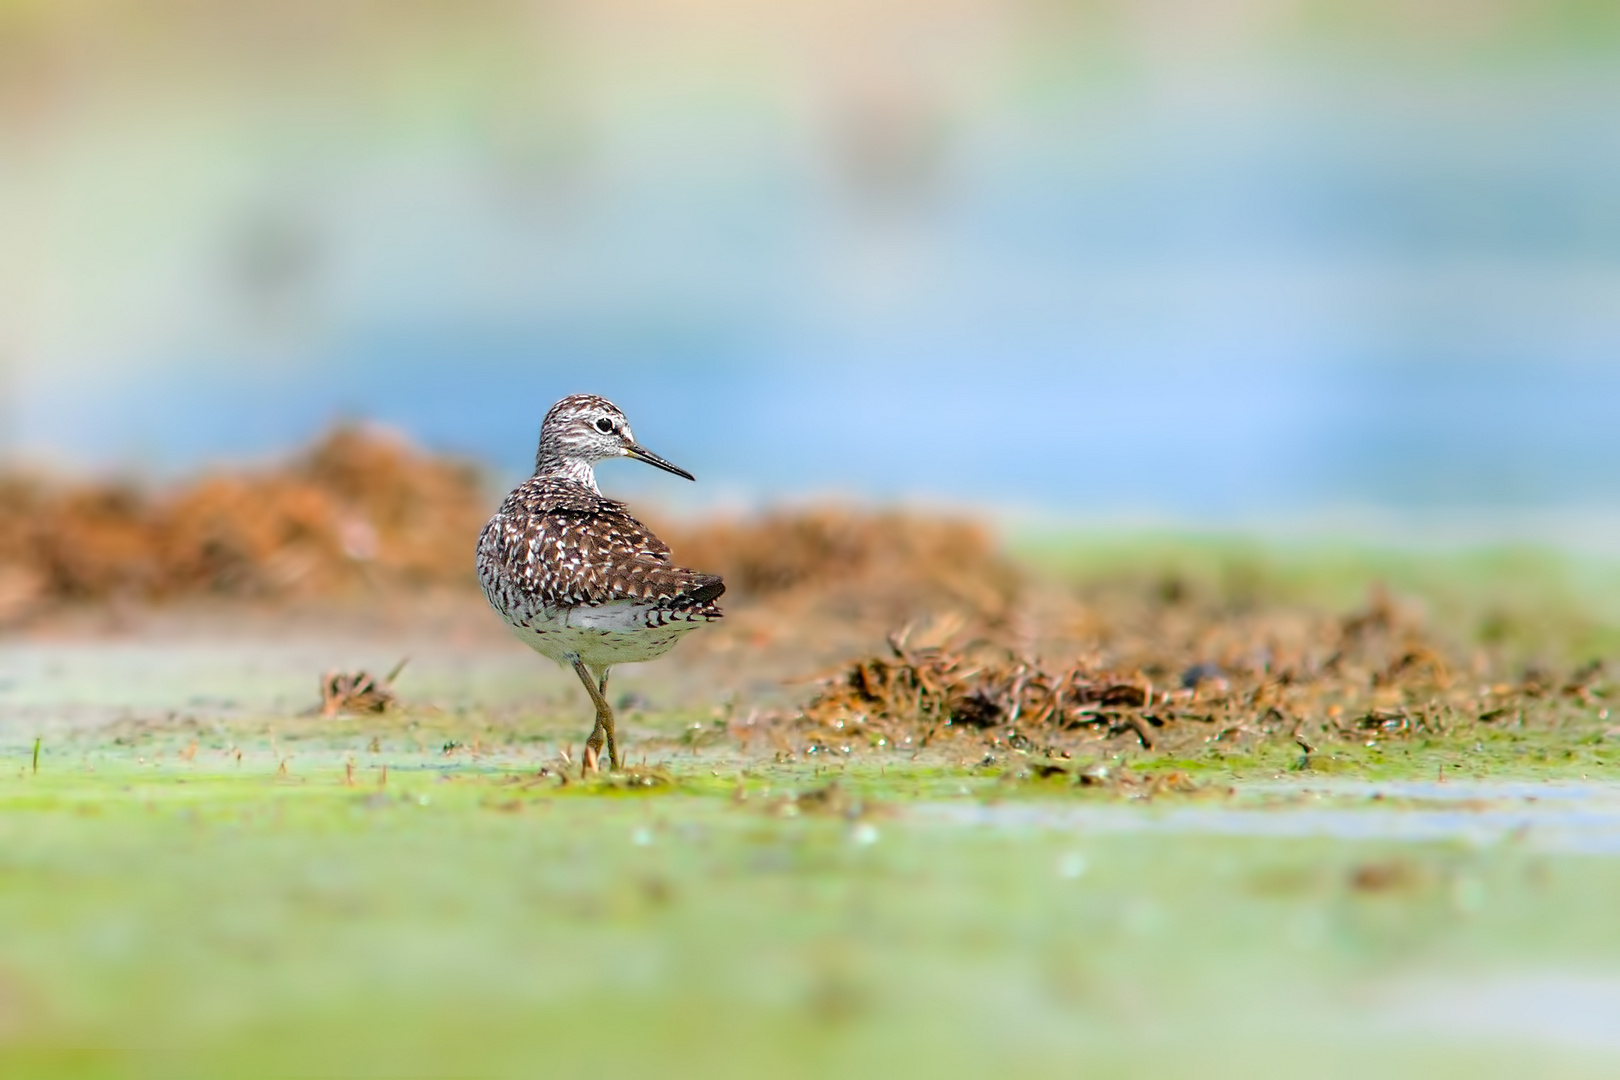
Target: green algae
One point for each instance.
(475, 922)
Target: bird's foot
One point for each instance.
(593, 749)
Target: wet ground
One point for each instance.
(1569, 817)
(201, 876)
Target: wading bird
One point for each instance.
(574, 575)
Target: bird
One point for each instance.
(575, 576)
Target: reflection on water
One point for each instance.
(1563, 817)
(1572, 1011)
(1094, 258)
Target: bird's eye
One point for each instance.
(605, 426)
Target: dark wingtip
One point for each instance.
(708, 591)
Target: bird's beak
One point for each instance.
(641, 453)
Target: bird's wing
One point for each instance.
(573, 548)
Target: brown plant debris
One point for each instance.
(815, 568)
(359, 506)
(977, 688)
(1388, 875)
(788, 550)
(1160, 675)
(358, 692)
(981, 688)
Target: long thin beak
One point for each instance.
(641, 453)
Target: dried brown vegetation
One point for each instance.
(360, 505)
(931, 561)
(1171, 674)
(810, 589)
(358, 692)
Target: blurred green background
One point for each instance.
(1214, 260)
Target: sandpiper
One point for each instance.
(574, 575)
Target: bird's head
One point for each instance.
(584, 429)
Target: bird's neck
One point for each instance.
(575, 469)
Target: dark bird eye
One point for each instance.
(605, 426)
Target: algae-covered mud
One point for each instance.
(480, 919)
(1386, 844)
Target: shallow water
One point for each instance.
(1568, 817)
(1553, 1008)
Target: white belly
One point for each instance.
(619, 633)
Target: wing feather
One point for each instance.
(565, 545)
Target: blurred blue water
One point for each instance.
(1267, 301)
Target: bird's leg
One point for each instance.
(612, 744)
(592, 752)
(601, 732)
(593, 748)
(604, 716)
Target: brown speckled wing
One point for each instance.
(556, 543)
